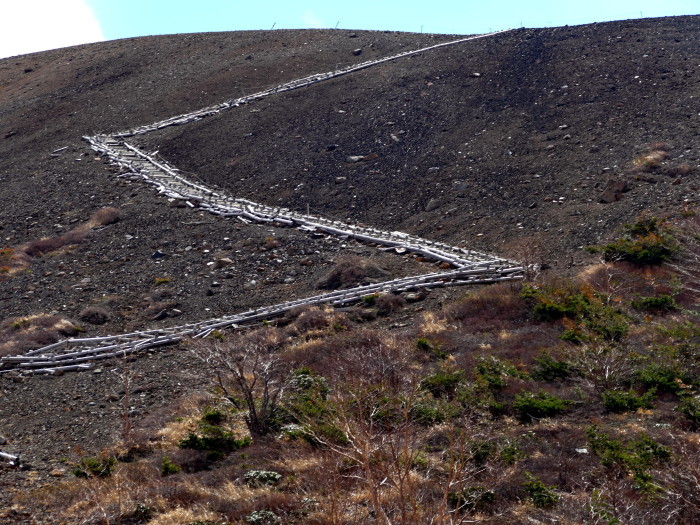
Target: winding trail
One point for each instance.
(470, 267)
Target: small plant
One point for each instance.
(218, 335)
(690, 408)
(494, 373)
(549, 369)
(214, 416)
(369, 300)
(427, 413)
(216, 441)
(530, 406)
(443, 382)
(168, 467)
(471, 498)
(95, 467)
(262, 517)
(159, 281)
(622, 458)
(260, 478)
(430, 348)
(617, 401)
(541, 495)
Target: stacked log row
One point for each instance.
(471, 267)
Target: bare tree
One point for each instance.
(686, 262)
(252, 367)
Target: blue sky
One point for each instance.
(34, 25)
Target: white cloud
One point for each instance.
(27, 26)
(311, 20)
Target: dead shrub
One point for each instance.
(21, 334)
(660, 146)
(493, 305)
(51, 244)
(352, 271)
(681, 170)
(389, 303)
(94, 315)
(309, 320)
(105, 216)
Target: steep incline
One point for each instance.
(472, 267)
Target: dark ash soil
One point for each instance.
(483, 144)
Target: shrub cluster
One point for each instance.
(647, 242)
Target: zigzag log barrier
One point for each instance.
(470, 267)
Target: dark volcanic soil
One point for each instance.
(482, 144)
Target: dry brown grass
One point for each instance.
(104, 216)
(21, 334)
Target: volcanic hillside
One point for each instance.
(481, 144)
(528, 144)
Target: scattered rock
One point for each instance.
(433, 204)
(222, 262)
(646, 178)
(353, 158)
(158, 255)
(357, 52)
(414, 297)
(3, 440)
(340, 180)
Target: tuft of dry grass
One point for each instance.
(21, 334)
(104, 216)
(352, 271)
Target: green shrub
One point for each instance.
(636, 457)
(529, 406)
(443, 382)
(260, 478)
(95, 467)
(549, 369)
(214, 416)
(587, 309)
(167, 467)
(646, 242)
(658, 303)
(493, 373)
(431, 348)
(214, 440)
(541, 495)
(663, 378)
(617, 401)
(471, 498)
(427, 413)
(690, 408)
(510, 453)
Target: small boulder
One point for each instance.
(613, 191)
(357, 52)
(433, 204)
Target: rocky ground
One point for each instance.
(491, 144)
